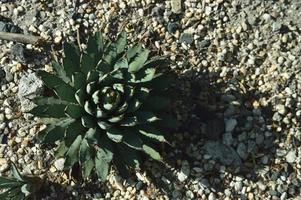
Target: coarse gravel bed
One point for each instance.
(237, 95)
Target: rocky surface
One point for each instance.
(237, 96)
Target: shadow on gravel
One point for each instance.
(224, 128)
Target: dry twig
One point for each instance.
(17, 37)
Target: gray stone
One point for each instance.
(184, 172)
(186, 38)
(211, 196)
(280, 109)
(242, 150)
(59, 164)
(227, 139)
(230, 124)
(225, 154)
(176, 6)
(18, 53)
(30, 86)
(291, 156)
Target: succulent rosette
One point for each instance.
(106, 105)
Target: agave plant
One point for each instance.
(19, 187)
(109, 105)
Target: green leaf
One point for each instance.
(144, 75)
(55, 110)
(103, 157)
(132, 140)
(60, 72)
(156, 103)
(61, 150)
(93, 76)
(138, 61)
(134, 105)
(167, 121)
(88, 63)
(49, 101)
(104, 66)
(71, 61)
(152, 152)
(55, 132)
(146, 117)
(81, 96)
(91, 136)
(91, 87)
(121, 63)
(16, 173)
(130, 156)
(63, 90)
(9, 183)
(72, 154)
(121, 42)
(116, 118)
(156, 61)
(115, 134)
(110, 55)
(129, 121)
(134, 50)
(73, 130)
(89, 107)
(153, 133)
(121, 165)
(104, 125)
(74, 111)
(102, 168)
(87, 168)
(105, 150)
(88, 122)
(78, 80)
(84, 152)
(141, 93)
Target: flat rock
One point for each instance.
(176, 6)
(223, 153)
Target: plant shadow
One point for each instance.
(226, 128)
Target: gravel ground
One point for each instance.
(237, 95)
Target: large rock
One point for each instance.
(223, 153)
(30, 86)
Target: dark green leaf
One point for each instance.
(49, 101)
(115, 134)
(121, 63)
(129, 121)
(134, 50)
(146, 116)
(156, 103)
(102, 168)
(88, 122)
(84, 152)
(138, 61)
(56, 111)
(105, 150)
(132, 140)
(152, 133)
(63, 90)
(121, 42)
(16, 173)
(71, 60)
(104, 125)
(134, 105)
(78, 80)
(87, 168)
(81, 96)
(152, 152)
(88, 63)
(129, 155)
(74, 111)
(61, 150)
(60, 72)
(73, 130)
(72, 154)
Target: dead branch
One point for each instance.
(17, 37)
